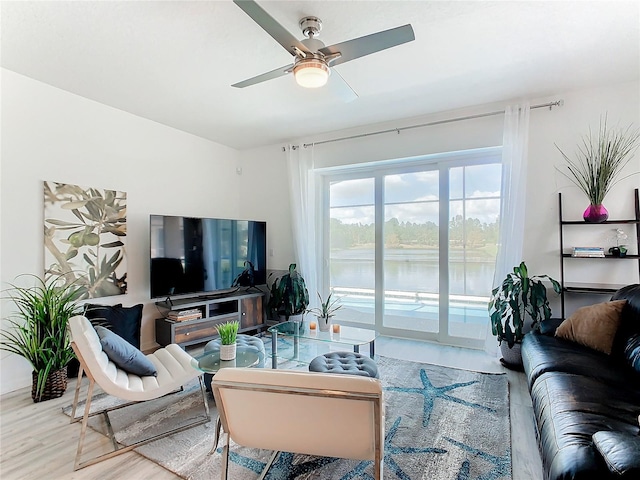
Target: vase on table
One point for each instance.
(324, 324)
(595, 214)
(228, 352)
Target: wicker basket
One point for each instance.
(54, 387)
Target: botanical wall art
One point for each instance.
(85, 233)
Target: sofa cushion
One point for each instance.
(630, 316)
(621, 452)
(123, 321)
(569, 409)
(549, 327)
(125, 355)
(593, 326)
(542, 354)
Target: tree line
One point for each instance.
(399, 234)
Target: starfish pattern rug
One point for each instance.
(441, 423)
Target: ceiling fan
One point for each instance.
(313, 60)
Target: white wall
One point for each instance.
(266, 169)
(50, 134)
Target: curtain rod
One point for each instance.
(557, 103)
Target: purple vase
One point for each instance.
(595, 214)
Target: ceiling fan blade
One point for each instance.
(278, 72)
(340, 88)
(271, 26)
(359, 47)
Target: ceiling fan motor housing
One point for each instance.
(310, 26)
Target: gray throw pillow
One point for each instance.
(125, 355)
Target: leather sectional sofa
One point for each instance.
(587, 403)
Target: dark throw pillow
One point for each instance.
(594, 326)
(123, 321)
(125, 355)
(621, 452)
(632, 352)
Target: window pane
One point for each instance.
(352, 255)
(474, 209)
(411, 251)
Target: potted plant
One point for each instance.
(288, 295)
(38, 332)
(620, 250)
(599, 162)
(228, 333)
(517, 298)
(325, 311)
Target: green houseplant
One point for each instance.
(228, 333)
(517, 298)
(288, 295)
(325, 311)
(598, 163)
(38, 332)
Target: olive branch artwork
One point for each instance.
(85, 231)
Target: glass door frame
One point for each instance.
(378, 171)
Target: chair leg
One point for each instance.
(203, 390)
(118, 450)
(272, 459)
(216, 438)
(77, 394)
(225, 459)
(85, 422)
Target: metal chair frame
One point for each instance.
(117, 448)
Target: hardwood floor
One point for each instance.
(37, 441)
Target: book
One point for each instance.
(588, 252)
(183, 315)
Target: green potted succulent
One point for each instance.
(598, 163)
(38, 332)
(288, 295)
(325, 311)
(518, 298)
(228, 333)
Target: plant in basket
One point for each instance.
(38, 332)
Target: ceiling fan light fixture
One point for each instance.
(311, 73)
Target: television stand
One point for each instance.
(245, 307)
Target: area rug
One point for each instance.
(441, 423)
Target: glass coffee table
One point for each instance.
(209, 362)
(352, 336)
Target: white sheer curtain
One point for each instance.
(515, 144)
(302, 183)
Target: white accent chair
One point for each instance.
(174, 370)
(309, 413)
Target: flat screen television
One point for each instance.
(195, 256)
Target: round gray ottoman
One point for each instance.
(246, 341)
(350, 363)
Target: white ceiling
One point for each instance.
(174, 62)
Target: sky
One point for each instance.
(413, 197)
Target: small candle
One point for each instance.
(336, 328)
(312, 325)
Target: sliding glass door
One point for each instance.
(410, 248)
(351, 249)
(411, 251)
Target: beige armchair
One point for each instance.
(309, 413)
(173, 367)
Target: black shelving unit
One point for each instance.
(594, 288)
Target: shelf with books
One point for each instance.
(584, 253)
